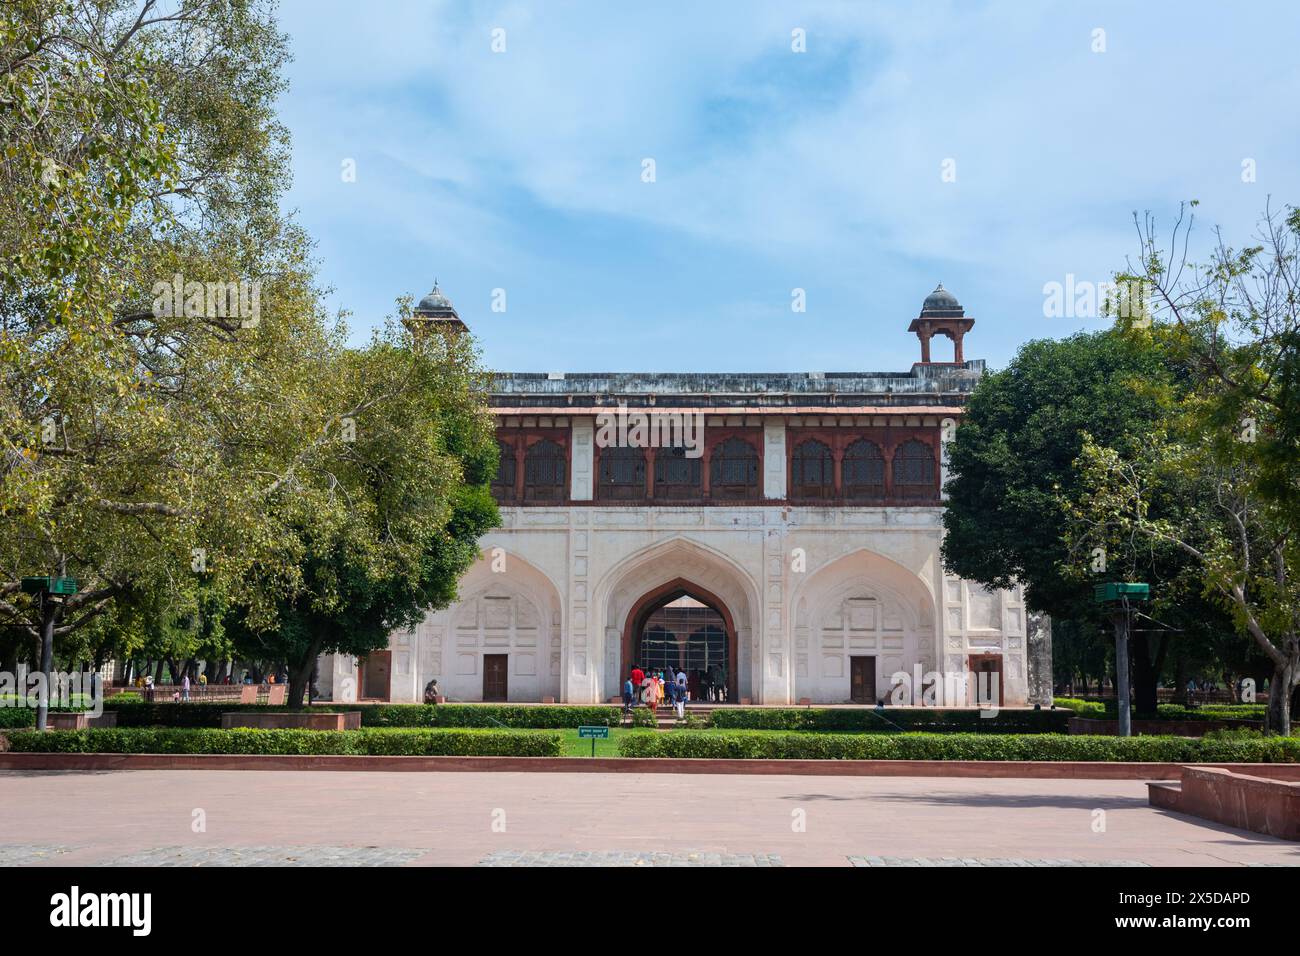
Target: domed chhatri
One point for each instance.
(941, 314)
(435, 309)
(941, 304)
(435, 304)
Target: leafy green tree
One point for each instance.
(1241, 545)
(1230, 448)
(142, 433)
(399, 506)
(1014, 488)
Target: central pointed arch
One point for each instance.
(666, 593)
(711, 576)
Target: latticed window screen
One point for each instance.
(688, 639)
(914, 470)
(545, 472)
(622, 474)
(813, 471)
(733, 470)
(503, 485)
(676, 476)
(863, 470)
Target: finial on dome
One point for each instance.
(435, 309)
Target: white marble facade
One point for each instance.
(806, 587)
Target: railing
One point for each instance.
(198, 693)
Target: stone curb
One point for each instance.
(1047, 770)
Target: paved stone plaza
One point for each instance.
(260, 818)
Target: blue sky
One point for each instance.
(774, 170)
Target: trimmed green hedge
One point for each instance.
(887, 721)
(17, 717)
(751, 745)
(644, 717)
(1082, 708)
(247, 740)
(1107, 710)
(208, 714)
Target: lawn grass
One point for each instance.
(572, 746)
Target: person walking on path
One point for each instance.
(638, 682)
(629, 695)
(185, 687)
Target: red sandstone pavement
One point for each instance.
(107, 814)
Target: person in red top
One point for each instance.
(638, 676)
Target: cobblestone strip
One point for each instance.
(625, 858)
(19, 855)
(981, 861)
(267, 856)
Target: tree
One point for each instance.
(400, 505)
(1232, 444)
(160, 337)
(1014, 485)
(1246, 555)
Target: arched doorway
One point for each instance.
(683, 625)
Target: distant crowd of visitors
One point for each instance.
(198, 686)
(656, 688)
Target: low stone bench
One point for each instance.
(1239, 800)
(79, 720)
(294, 720)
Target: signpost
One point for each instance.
(595, 733)
(43, 587)
(1116, 597)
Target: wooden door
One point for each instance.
(986, 679)
(862, 681)
(494, 676)
(378, 671)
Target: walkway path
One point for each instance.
(264, 817)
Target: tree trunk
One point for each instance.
(50, 611)
(1280, 688)
(1145, 676)
(300, 674)
(1234, 689)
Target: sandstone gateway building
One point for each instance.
(777, 538)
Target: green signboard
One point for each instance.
(1118, 591)
(594, 733)
(50, 585)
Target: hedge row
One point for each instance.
(1106, 710)
(246, 740)
(17, 717)
(751, 745)
(929, 719)
(208, 714)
